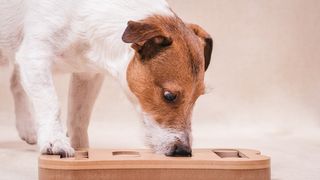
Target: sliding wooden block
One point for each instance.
(205, 164)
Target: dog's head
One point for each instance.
(166, 75)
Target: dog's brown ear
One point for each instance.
(147, 39)
(207, 40)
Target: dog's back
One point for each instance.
(69, 19)
(11, 25)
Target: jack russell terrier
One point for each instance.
(158, 59)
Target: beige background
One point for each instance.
(263, 82)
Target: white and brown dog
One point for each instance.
(158, 59)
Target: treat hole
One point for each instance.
(229, 153)
(126, 153)
(81, 155)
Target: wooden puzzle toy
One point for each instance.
(205, 164)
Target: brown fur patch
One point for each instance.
(177, 67)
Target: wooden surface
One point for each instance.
(213, 164)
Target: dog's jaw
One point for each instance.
(162, 139)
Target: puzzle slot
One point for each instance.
(81, 155)
(229, 153)
(126, 153)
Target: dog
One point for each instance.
(159, 60)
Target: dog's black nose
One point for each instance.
(180, 151)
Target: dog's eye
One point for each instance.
(169, 96)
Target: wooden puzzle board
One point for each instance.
(213, 164)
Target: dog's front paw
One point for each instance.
(57, 146)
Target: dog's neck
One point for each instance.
(104, 29)
(93, 27)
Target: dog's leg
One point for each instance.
(25, 123)
(84, 89)
(34, 59)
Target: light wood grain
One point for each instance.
(222, 164)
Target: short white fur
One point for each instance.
(161, 138)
